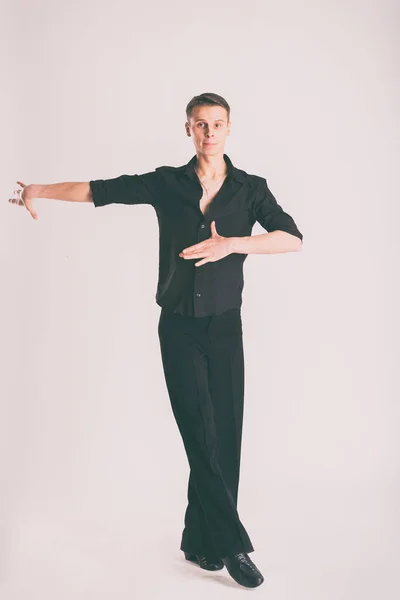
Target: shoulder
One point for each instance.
(255, 182)
(243, 175)
(255, 179)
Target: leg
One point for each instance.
(226, 386)
(184, 349)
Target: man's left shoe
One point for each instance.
(243, 570)
(205, 562)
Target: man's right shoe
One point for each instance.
(205, 562)
(243, 570)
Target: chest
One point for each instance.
(181, 209)
(209, 192)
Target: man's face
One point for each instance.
(208, 126)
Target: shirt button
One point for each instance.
(203, 226)
(198, 295)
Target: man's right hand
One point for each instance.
(25, 197)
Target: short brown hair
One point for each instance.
(207, 100)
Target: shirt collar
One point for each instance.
(233, 172)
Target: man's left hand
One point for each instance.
(213, 249)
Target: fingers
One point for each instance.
(202, 262)
(18, 201)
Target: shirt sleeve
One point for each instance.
(126, 189)
(270, 214)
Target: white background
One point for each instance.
(93, 469)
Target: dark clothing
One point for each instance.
(200, 332)
(203, 363)
(175, 193)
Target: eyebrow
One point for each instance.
(206, 120)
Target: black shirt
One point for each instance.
(175, 194)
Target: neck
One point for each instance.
(211, 167)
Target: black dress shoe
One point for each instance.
(242, 569)
(205, 562)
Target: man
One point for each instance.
(206, 210)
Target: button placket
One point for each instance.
(201, 236)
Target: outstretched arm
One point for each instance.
(70, 191)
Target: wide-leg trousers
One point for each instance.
(203, 364)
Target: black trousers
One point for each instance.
(203, 364)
